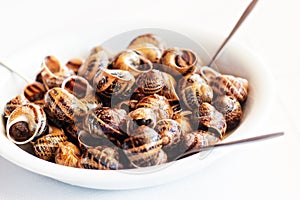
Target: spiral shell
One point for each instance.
(67, 154)
(35, 92)
(46, 146)
(87, 141)
(108, 83)
(226, 84)
(170, 132)
(178, 61)
(53, 73)
(12, 104)
(62, 106)
(198, 140)
(95, 62)
(140, 117)
(231, 109)
(158, 104)
(151, 82)
(107, 122)
(209, 118)
(105, 158)
(132, 61)
(74, 64)
(143, 147)
(78, 86)
(25, 123)
(148, 38)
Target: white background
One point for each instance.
(268, 170)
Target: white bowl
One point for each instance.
(236, 60)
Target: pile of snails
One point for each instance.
(147, 105)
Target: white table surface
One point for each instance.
(263, 170)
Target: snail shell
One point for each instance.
(78, 86)
(148, 38)
(113, 82)
(46, 146)
(184, 121)
(102, 157)
(74, 64)
(25, 123)
(159, 104)
(95, 62)
(190, 80)
(209, 118)
(133, 62)
(170, 132)
(67, 154)
(193, 96)
(62, 106)
(35, 93)
(226, 84)
(231, 109)
(107, 122)
(140, 117)
(151, 82)
(88, 141)
(149, 51)
(53, 73)
(178, 61)
(143, 147)
(199, 139)
(13, 104)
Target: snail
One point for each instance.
(67, 154)
(25, 123)
(170, 132)
(107, 122)
(45, 147)
(231, 109)
(223, 84)
(158, 104)
(210, 119)
(78, 86)
(132, 61)
(35, 93)
(74, 64)
(12, 104)
(52, 73)
(140, 117)
(62, 106)
(179, 62)
(112, 83)
(148, 38)
(86, 140)
(143, 147)
(101, 157)
(151, 82)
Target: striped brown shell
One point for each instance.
(12, 104)
(143, 147)
(74, 64)
(67, 154)
(179, 62)
(159, 104)
(95, 62)
(62, 106)
(231, 109)
(46, 146)
(35, 92)
(151, 82)
(170, 132)
(210, 119)
(132, 61)
(102, 157)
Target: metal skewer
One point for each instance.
(235, 28)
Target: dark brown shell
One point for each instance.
(231, 109)
(35, 92)
(104, 158)
(46, 146)
(62, 106)
(67, 154)
(143, 147)
(210, 119)
(178, 61)
(231, 86)
(159, 104)
(78, 86)
(107, 122)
